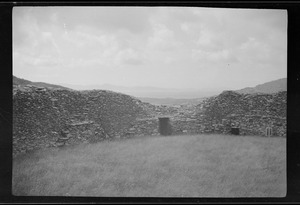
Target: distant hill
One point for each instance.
(169, 96)
(269, 87)
(147, 92)
(22, 82)
(171, 101)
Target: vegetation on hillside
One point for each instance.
(22, 82)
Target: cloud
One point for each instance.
(162, 38)
(169, 60)
(255, 51)
(132, 19)
(194, 44)
(221, 56)
(129, 56)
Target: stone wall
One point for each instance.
(143, 127)
(183, 120)
(39, 116)
(44, 117)
(251, 113)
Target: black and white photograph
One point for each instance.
(137, 101)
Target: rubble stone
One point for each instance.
(41, 114)
(251, 113)
(87, 116)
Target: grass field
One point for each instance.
(172, 166)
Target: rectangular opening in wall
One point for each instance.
(54, 103)
(165, 126)
(269, 131)
(235, 131)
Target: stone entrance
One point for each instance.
(235, 131)
(164, 126)
(269, 132)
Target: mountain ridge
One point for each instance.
(164, 95)
(22, 82)
(268, 87)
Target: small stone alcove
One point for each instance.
(54, 102)
(164, 126)
(235, 131)
(269, 131)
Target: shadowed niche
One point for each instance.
(165, 126)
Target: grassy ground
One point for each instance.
(173, 166)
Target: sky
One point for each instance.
(167, 47)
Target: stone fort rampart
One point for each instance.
(44, 117)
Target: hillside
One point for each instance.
(151, 92)
(269, 87)
(22, 82)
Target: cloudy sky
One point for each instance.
(168, 47)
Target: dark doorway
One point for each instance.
(165, 126)
(235, 131)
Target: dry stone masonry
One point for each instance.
(252, 114)
(40, 116)
(53, 117)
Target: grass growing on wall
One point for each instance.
(172, 166)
